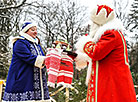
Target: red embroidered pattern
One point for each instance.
(91, 92)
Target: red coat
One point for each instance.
(114, 81)
(111, 79)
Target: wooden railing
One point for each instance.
(2, 82)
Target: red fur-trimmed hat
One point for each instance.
(101, 14)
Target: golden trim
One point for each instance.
(96, 81)
(124, 48)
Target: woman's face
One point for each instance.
(32, 32)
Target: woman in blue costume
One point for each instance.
(26, 81)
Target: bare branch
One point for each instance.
(13, 6)
(4, 16)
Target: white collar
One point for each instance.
(115, 24)
(28, 37)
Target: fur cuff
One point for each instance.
(40, 61)
(81, 42)
(89, 72)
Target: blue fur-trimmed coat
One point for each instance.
(26, 79)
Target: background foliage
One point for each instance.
(67, 20)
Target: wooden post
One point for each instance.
(57, 91)
(1, 86)
(67, 95)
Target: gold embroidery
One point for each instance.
(88, 48)
(92, 98)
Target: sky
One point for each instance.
(91, 3)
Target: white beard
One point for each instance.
(94, 28)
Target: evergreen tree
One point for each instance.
(133, 53)
(133, 26)
(8, 23)
(133, 18)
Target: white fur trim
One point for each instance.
(81, 60)
(101, 18)
(49, 100)
(28, 27)
(28, 37)
(40, 61)
(15, 39)
(81, 42)
(89, 72)
(24, 35)
(114, 24)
